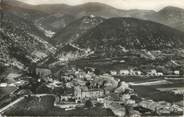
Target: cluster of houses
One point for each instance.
(123, 72)
(161, 108)
(154, 73)
(94, 86)
(104, 89)
(38, 55)
(131, 72)
(77, 79)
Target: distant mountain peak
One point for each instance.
(172, 8)
(95, 4)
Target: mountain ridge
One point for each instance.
(131, 33)
(75, 29)
(58, 16)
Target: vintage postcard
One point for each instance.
(92, 58)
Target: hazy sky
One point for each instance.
(121, 4)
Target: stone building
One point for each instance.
(84, 92)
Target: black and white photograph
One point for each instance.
(92, 58)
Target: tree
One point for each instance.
(88, 84)
(42, 89)
(88, 104)
(2, 69)
(2, 15)
(99, 105)
(97, 72)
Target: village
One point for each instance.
(91, 58)
(75, 87)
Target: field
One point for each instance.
(98, 112)
(107, 64)
(138, 79)
(4, 95)
(156, 95)
(153, 92)
(31, 106)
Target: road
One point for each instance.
(10, 105)
(19, 100)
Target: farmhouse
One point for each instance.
(43, 72)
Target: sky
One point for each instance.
(120, 4)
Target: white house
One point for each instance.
(139, 73)
(160, 74)
(176, 72)
(153, 72)
(135, 73)
(124, 72)
(113, 72)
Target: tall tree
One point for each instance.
(2, 15)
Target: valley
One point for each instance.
(90, 60)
